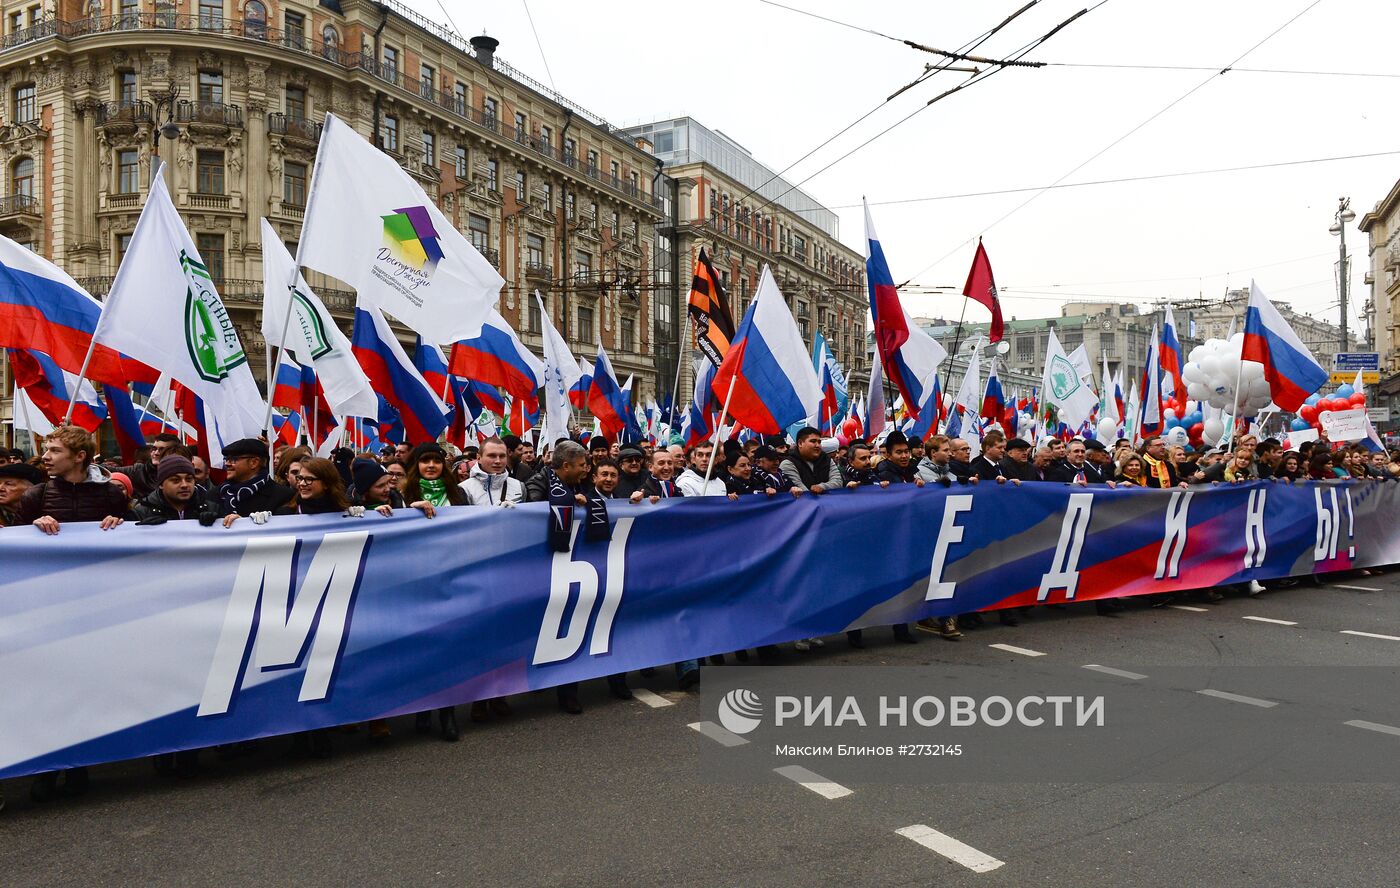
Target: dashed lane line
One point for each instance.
(1370, 635)
(1373, 726)
(1121, 673)
(1012, 649)
(1355, 588)
(1187, 607)
(1238, 698)
(951, 848)
(813, 781)
(717, 734)
(655, 701)
(1271, 620)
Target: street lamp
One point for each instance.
(1344, 216)
(164, 99)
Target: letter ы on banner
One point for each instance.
(564, 574)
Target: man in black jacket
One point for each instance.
(632, 478)
(1016, 465)
(1076, 469)
(899, 466)
(809, 469)
(177, 496)
(249, 490)
(986, 466)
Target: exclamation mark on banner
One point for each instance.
(1351, 528)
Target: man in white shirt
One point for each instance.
(490, 482)
(692, 480)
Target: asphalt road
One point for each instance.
(632, 794)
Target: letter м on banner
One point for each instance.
(266, 612)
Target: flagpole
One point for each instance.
(1235, 407)
(28, 424)
(709, 470)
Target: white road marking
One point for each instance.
(1239, 698)
(813, 781)
(951, 848)
(655, 701)
(1355, 588)
(1121, 673)
(1271, 620)
(1371, 635)
(1186, 607)
(1373, 726)
(1012, 649)
(718, 734)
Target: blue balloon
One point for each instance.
(1193, 419)
(1300, 425)
(1344, 391)
(1312, 399)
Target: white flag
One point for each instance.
(312, 336)
(969, 397)
(1064, 387)
(28, 416)
(561, 371)
(370, 224)
(165, 312)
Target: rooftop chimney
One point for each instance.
(485, 49)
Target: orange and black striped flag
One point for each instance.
(709, 309)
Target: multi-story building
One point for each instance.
(1323, 338)
(1382, 229)
(747, 216)
(230, 93)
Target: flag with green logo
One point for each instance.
(1063, 386)
(165, 311)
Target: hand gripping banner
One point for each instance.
(144, 640)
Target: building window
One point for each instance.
(593, 212)
(479, 230)
(255, 19)
(295, 29)
(592, 162)
(427, 81)
(16, 21)
(209, 178)
(489, 112)
(126, 87)
(22, 178)
(547, 197)
(296, 102)
(633, 182)
(123, 244)
(520, 182)
(570, 150)
(211, 14)
(128, 172)
(629, 334)
(330, 43)
(493, 175)
(583, 266)
(211, 87)
(294, 183)
(459, 96)
(546, 137)
(536, 324)
(616, 226)
(534, 250)
(570, 206)
(391, 134)
(521, 127)
(459, 163)
(211, 250)
(613, 171)
(584, 331)
(26, 103)
(391, 63)
(429, 148)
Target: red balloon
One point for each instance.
(1358, 399)
(851, 427)
(1196, 430)
(1308, 413)
(1324, 405)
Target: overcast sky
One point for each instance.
(781, 83)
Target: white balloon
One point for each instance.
(1214, 428)
(1237, 340)
(1218, 401)
(1251, 370)
(1178, 435)
(1210, 366)
(1169, 413)
(1192, 372)
(1196, 354)
(1229, 369)
(1108, 429)
(1259, 388)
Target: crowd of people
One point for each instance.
(68, 483)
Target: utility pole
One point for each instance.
(1339, 228)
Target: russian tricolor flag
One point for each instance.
(1150, 418)
(909, 355)
(767, 378)
(1291, 370)
(993, 399)
(1170, 356)
(606, 399)
(395, 379)
(288, 428)
(498, 357)
(126, 423)
(286, 385)
(50, 388)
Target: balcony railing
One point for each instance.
(19, 205)
(539, 270)
(123, 112)
(294, 127)
(216, 113)
(297, 41)
(209, 201)
(493, 257)
(123, 201)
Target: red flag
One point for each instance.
(981, 287)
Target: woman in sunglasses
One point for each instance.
(319, 489)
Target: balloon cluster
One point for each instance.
(1212, 371)
(1316, 408)
(1183, 422)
